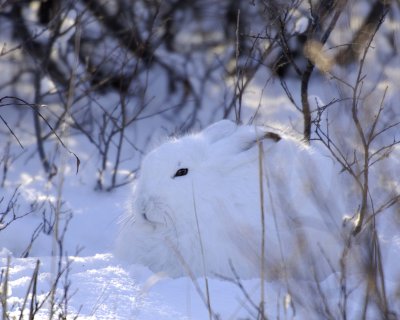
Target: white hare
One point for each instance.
(196, 206)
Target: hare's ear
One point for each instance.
(219, 130)
(249, 136)
(226, 137)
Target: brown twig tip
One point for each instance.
(78, 163)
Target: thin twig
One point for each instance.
(364, 139)
(202, 256)
(262, 212)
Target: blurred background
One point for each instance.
(122, 73)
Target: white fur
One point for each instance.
(222, 189)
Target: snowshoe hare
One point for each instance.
(196, 206)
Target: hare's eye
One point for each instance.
(181, 172)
